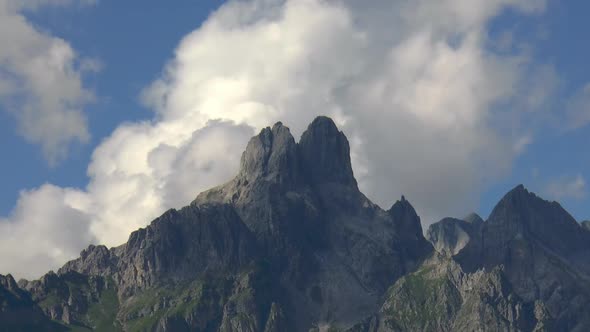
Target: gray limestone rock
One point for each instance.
(325, 153)
(544, 252)
(473, 218)
(18, 311)
(94, 260)
(292, 244)
(334, 249)
(449, 236)
(440, 296)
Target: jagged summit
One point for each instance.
(302, 204)
(8, 282)
(473, 218)
(518, 195)
(407, 222)
(522, 216)
(322, 156)
(406, 215)
(538, 242)
(519, 188)
(325, 153)
(450, 235)
(523, 212)
(272, 154)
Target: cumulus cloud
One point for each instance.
(415, 85)
(41, 81)
(45, 228)
(144, 169)
(567, 187)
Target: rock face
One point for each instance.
(440, 296)
(545, 254)
(291, 244)
(520, 220)
(524, 269)
(18, 312)
(325, 153)
(75, 299)
(449, 236)
(474, 219)
(327, 242)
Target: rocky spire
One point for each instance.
(406, 223)
(325, 153)
(8, 282)
(405, 216)
(272, 154)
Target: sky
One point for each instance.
(112, 112)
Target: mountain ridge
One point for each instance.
(292, 244)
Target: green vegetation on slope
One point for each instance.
(203, 296)
(421, 301)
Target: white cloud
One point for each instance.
(567, 187)
(522, 143)
(414, 84)
(171, 162)
(577, 113)
(45, 228)
(41, 81)
(15, 5)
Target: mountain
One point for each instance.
(292, 244)
(545, 253)
(450, 235)
(524, 269)
(18, 312)
(440, 296)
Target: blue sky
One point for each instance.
(132, 40)
(557, 39)
(464, 111)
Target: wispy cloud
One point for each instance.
(577, 112)
(567, 187)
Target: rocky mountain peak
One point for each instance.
(315, 228)
(272, 154)
(8, 282)
(450, 235)
(522, 214)
(538, 243)
(517, 196)
(94, 260)
(325, 153)
(402, 206)
(473, 218)
(405, 216)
